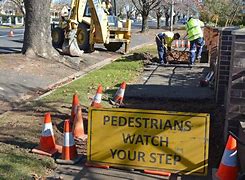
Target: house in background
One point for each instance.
(10, 13)
(57, 10)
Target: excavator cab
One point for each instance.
(93, 25)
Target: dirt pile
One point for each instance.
(146, 57)
(176, 57)
(173, 57)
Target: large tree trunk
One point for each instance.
(37, 36)
(144, 23)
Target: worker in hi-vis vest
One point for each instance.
(195, 36)
(164, 41)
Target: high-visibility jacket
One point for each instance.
(193, 27)
(168, 37)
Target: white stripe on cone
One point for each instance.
(47, 130)
(97, 98)
(120, 92)
(68, 139)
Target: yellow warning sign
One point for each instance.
(152, 140)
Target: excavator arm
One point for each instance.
(70, 45)
(98, 25)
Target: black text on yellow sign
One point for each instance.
(144, 139)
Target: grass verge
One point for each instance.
(110, 77)
(17, 163)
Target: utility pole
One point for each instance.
(171, 15)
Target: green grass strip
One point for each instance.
(16, 163)
(110, 77)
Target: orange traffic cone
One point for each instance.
(47, 144)
(228, 168)
(97, 98)
(11, 33)
(78, 127)
(75, 104)
(118, 97)
(176, 43)
(69, 151)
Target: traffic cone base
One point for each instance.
(204, 83)
(96, 105)
(160, 173)
(94, 165)
(69, 153)
(47, 144)
(71, 162)
(224, 172)
(228, 168)
(57, 149)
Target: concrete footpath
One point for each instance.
(180, 82)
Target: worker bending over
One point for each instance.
(164, 41)
(195, 36)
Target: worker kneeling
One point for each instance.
(164, 41)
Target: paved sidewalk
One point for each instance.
(181, 82)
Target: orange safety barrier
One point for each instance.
(182, 43)
(176, 43)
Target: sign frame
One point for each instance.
(155, 112)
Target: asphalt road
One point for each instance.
(14, 44)
(11, 44)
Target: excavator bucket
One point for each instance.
(70, 45)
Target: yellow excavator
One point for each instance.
(89, 23)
